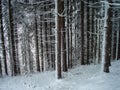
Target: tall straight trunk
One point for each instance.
(0, 68)
(97, 41)
(82, 33)
(109, 35)
(59, 27)
(30, 60)
(67, 32)
(16, 49)
(108, 40)
(26, 56)
(70, 34)
(12, 42)
(51, 47)
(46, 55)
(41, 44)
(114, 44)
(63, 40)
(36, 40)
(49, 38)
(92, 38)
(105, 66)
(3, 40)
(117, 42)
(88, 35)
(16, 39)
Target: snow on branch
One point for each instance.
(32, 4)
(100, 2)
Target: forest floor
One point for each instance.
(80, 78)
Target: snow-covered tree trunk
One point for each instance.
(3, 61)
(41, 44)
(45, 40)
(58, 37)
(70, 34)
(36, 40)
(67, 31)
(12, 38)
(106, 38)
(92, 31)
(63, 41)
(20, 55)
(88, 34)
(117, 43)
(82, 33)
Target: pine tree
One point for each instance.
(82, 33)
(88, 35)
(63, 40)
(59, 27)
(3, 40)
(36, 40)
(12, 42)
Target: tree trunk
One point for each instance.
(0, 68)
(92, 38)
(70, 34)
(63, 40)
(12, 42)
(46, 55)
(3, 40)
(119, 42)
(88, 34)
(36, 40)
(67, 33)
(41, 43)
(59, 27)
(82, 33)
(108, 40)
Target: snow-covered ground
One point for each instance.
(79, 78)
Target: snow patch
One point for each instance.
(86, 77)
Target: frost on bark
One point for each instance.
(12, 39)
(107, 39)
(82, 33)
(59, 27)
(63, 40)
(36, 41)
(88, 34)
(3, 61)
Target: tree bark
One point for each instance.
(92, 38)
(88, 35)
(59, 27)
(82, 33)
(108, 40)
(12, 42)
(2, 39)
(41, 44)
(63, 40)
(36, 40)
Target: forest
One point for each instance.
(38, 36)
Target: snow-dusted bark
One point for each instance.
(58, 37)
(97, 47)
(117, 43)
(104, 36)
(20, 50)
(3, 63)
(82, 34)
